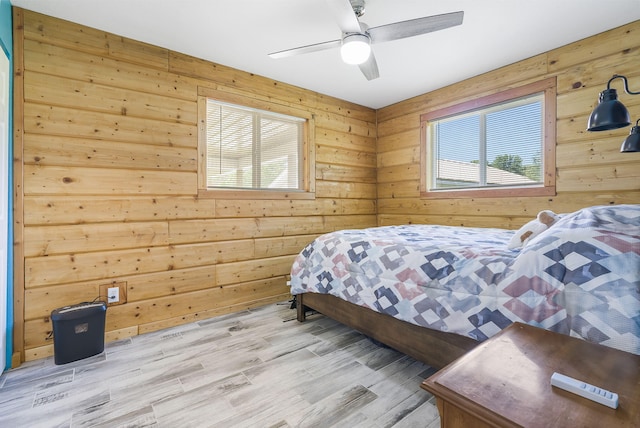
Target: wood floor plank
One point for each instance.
(255, 368)
(333, 409)
(205, 406)
(256, 409)
(113, 414)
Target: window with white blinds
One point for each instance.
(499, 145)
(248, 148)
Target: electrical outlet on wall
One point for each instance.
(114, 293)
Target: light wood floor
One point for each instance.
(257, 368)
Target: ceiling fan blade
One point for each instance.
(370, 68)
(344, 15)
(414, 27)
(306, 49)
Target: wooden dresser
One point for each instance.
(505, 382)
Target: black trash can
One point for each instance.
(78, 331)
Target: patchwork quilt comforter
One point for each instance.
(580, 277)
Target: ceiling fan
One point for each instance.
(357, 37)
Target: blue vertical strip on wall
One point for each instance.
(6, 42)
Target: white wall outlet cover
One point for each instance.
(113, 295)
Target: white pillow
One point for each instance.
(535, 227)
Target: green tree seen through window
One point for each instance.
(511, 163)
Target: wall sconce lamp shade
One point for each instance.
(632, 143)
(610, 113)
(355, 48)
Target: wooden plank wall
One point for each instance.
(590, 168)
(106, 185)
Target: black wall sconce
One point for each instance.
(632, 143)
(612, 114)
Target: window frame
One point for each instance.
(548, 154)
(308, 148)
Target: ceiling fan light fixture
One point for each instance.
(355, 48)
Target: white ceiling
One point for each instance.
(240, 34)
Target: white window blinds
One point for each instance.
(497, 146)
(252, 149)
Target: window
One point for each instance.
(255, 149)
(499, 145)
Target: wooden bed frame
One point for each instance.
(432, 347)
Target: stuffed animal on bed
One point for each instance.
(535, 227)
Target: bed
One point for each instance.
(435, 292)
